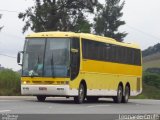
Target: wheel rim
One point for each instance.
(120, 94)
(81, 93)
(127, 94)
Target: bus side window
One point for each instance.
(75, 58)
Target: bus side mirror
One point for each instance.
(19, 57)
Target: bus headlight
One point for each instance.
(24, 82)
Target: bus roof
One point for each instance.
(82, 35)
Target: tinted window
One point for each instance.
(109, 52)
(75, 58)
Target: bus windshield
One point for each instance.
(46, 57)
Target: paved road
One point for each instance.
(29, 105)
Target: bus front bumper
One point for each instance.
(55, 90)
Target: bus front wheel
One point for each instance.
(41, 98)
(118, 98)
(81, 94)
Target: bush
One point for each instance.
(152, 79)
(9, 82)
(151, 86)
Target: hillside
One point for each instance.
(151, 57)
(151, 61)
(151, 50)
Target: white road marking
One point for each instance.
(2, 111)
(98, 106)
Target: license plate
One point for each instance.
(43, 88)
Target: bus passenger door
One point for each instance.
(75, 58)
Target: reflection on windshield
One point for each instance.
(33, 57)
(55, 57)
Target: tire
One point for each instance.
(41, 98)
(118, 98)
(81, 94)
(92, 99)
(126, 95)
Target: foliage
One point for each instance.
(53, 15)
(9, 82)
(153, 70)
(107, 20)
(151, 86)
(149, 92)
(152, 79)
(82, 25)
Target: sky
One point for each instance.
(141, 16)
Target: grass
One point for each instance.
(149, 92)
(151, 64)
(151, 61)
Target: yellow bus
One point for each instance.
(79, 65)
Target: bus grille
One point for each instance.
(50, 82)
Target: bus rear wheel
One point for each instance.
(126, 95)
(41, 98)
(81, 94)
(118, 98)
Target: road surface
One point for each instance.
(29, 105)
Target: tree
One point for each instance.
(82, 25)
(1, 26)
(52, 15)
(107, 20)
